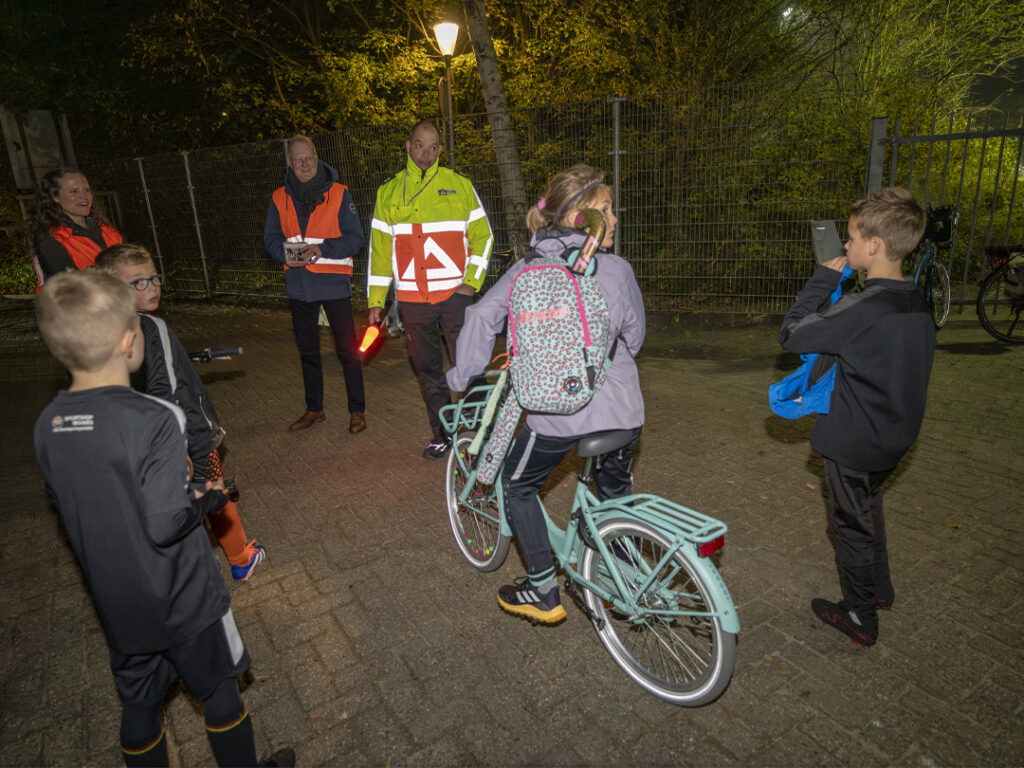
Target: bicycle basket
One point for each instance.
(941, 225)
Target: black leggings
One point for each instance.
(530, 460)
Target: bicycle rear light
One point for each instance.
(710, 547)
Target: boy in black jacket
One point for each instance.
(115, 467)
(883, 340)
(168, 373)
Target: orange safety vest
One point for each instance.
(84, 250)
(322, 225)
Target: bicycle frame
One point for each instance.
(925, 267)
(684, 528)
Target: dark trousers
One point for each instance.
(855, 515)
(305, 315)
(423, 325)
(529, 462)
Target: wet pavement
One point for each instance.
(374, 643)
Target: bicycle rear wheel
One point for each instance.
(941, 294)
(1000, 306)
(476, 524)
(684, 660)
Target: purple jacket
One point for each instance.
(619, 404)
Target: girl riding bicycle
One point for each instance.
(547, 438)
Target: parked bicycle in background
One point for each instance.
(1001, 299)
(931, 274)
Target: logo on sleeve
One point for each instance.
(445, 192)
(81, 422)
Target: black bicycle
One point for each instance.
(1001, 298)
(931, 274)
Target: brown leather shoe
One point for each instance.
(307, 420)
(356, 422)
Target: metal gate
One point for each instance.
(976, 165)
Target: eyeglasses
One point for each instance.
(143, 282)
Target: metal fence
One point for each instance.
(714, 189)
(975, 164)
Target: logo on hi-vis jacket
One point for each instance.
(444, 192)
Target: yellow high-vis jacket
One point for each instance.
(429, 234)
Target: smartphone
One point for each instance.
(827, 245)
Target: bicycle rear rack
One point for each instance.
(666, 517)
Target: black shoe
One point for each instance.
(862, 631)
(437, 447)
(284, 757)
(522, 599)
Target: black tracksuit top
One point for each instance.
(883, 340)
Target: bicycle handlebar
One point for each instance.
(210, 353)
(1003, 252)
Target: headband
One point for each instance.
(587, 188)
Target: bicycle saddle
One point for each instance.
(601, 443)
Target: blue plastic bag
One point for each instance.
(796, 395)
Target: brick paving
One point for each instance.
(373, 643)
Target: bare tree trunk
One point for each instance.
(510, 173)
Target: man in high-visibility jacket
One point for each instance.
(313, 230)
(431, 236)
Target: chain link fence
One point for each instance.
(714, 189)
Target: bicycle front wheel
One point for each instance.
(476, 523)
(685, 660)
(1000, 305)
(941, 294)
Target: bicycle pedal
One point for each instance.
(573, 591)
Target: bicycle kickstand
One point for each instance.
(574, 592)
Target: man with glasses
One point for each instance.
(313, 231)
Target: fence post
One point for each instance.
(195, 219)
(616, 166)
(152, 221)
(876, 152)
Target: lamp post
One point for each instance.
(447, 33)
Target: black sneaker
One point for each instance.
(284, 758)
(838, 616)
(437, 447)
(522, 599)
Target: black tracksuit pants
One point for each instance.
(855, 515)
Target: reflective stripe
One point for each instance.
(443, 226)
(339, 262)
(165, 344)
(402, 229)
(380, 226)
(235, 644)
(480, 260)
(433, 285)
(525, 458)
(379, 280)
(477, 213)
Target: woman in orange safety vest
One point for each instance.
(68, 234)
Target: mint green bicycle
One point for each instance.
(637, 566)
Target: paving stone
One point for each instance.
(374, 642)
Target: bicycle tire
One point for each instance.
(941, 293)
(686, 661)
(1000, 311)
(476, 526)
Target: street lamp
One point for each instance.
(447, 32)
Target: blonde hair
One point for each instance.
(892, 214)
(83, 315)
(115, 258)
(558, 197)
